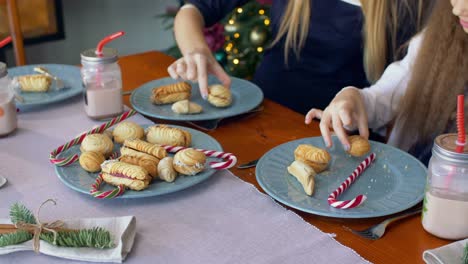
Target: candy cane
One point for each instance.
(79, 139)
(119, 190)
(358, 200)
(231, 161)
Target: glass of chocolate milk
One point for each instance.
(102, 79)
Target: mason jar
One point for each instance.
(8, 119)
(102, 79)
(445, 210)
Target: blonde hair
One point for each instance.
(382, 20)
(295, 25)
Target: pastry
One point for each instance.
(165, 135)
(126, 130)
(315, 157)
(91, 161)
(219, 96)
(146, 161)
(166, 171)
(171, 93)
(148, 148)
(34, 83)
(121, 173)
(304, 174)
(358, 146)
(186, 107)
(189, 161)
(97, 143)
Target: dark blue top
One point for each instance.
(331, 59)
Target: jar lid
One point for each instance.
(446, 146)
(109, 55)
(3, 70)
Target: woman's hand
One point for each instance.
(346, 110)
(195, 66)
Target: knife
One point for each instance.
(249, 164)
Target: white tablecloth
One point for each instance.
(222, 220)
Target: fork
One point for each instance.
(377, 231)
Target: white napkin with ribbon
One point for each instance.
(448, 254)
(122, 229)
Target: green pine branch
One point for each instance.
(465, 254)
(19, 213)
(15, 238)
(96, 238)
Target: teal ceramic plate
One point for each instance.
(246, 96)
(393, 183)
(69, 74)
(80, 180)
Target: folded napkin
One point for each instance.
(122, 229)
(448, 254)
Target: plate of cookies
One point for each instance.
(132, 156)
(45, 83)
(303, 173)
(170, 99)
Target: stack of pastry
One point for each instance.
(120, 173)
(189, 161)
(309, 160)
(219, 96)
(34, 83)
(143, 154)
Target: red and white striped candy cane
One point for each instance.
(358, 200)
(217, 165)
(100, 129)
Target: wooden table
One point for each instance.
(404, 242)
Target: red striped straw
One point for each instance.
(5, 41)
(460, 123)
(106, 40)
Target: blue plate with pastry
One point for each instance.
(170, 99)
(143, 166)
(45, 83)
(394, 182)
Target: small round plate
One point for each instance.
(246, 96)
(393, 183)
(80, 180)
(70, 75)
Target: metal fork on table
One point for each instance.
(377, 231)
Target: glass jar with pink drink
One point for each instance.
(102, 79)
(8, 119)
(445, 211)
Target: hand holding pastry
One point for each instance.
(165, 135)
(359, 146)
(186, 107)
(91, 161)
(195, 66)
(171, 93)
(97, 143)
(347, 109)
(120, 173)
(315, 157)
(219, 96)
(304, 174)
(127, 130)
(166, 170)
(189, 161)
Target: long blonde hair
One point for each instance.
(380, 29)
(439, 75)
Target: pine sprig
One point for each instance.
(19, 213)
(465, 255)
(96, 237)
(15, 238)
